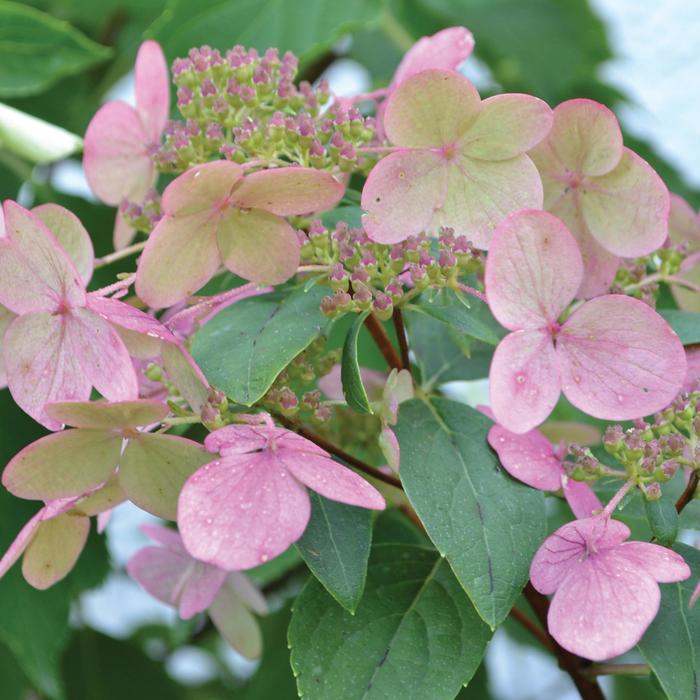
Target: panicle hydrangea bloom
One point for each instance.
(64, 340)
(171, 575)
(613, 357)
(606, 590)
(460, 162)
(610, 199)
(216, 214)
(54, 537)
(250, 504)
(151, 467)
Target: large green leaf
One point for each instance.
(306, 27)
(469, 316)
(335, 545)
(487, 525)
(671, 645)
(353, 388)
(415, 634)
(36, 50)
(685, 323)
(245, 347)
(663, 519)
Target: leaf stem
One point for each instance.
(340, 453)
(119, 254)
(379, 334)
(397, 318)
(617, 670)
(574, 665)
(532, 628)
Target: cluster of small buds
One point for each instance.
(287, 395)
(367, 275)
(142, 216)
(246, 107)
(632, 275)
(649, 452)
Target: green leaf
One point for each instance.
(36, 50)
(415, 634)
(353, 388)
(685, 323)
(487, 525)
(663, 520)
(245, 347)
(474, 320)
(351, 215)
(335, 546)
(34, 139)
(671, 645)
(306, 27)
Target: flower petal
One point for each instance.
(585, 139)
(507, 126)
(154, 468)
(21, 542)
(65, 464)
(619, 359)
(6, 318)
(238, 439)
(401, 193)
(533, 270)
(152, 87)
(561, 552)
(71, 235)
(258, 246)
(593, 613)
(528, 457)
(445, 50)
(431, 109)
(123, 234)
(240, 511)
(661, 563)
(331, 479)
(580, 497)
(116, 159)
(166, 536)
(108, 416)
(236, 623)
(524, 380)
(54, 549)
(35, 272)
(288, 191)
(683, 222)
(627, 209)
(245, 589)
(180, 257)
(185, 375)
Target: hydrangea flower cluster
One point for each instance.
(541, 213)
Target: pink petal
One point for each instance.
(35, 272)
(524, 380)
(166, 536)
(176, 579)
(683, 222)
(6, 318)
(507, 126)
(533, 270)
(561, 552)
(581, 498)
(152, 89)
(692, 376)
(528, 457)
(108, 416)
(42, 366)
(288, 191)
(687, 299)
(65, 464)
(235, 623)
(180, 257)
(238, 439)
(116, 158)
(71, 236)
(389, 445)
(186, 375)
(431, 109)
(206, 187)
(619, 359)
(627, 209)
(247, 592)
(21, 542)
(240, 511)
(331, 479)
(401, 193)
(123, 234)
(102, 499)
(258, 246)
(593, 614)
(585, 139)
(661, 563)
(54, 549)
(445, 50)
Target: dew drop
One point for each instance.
(520, 378)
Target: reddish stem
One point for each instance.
(688, 493)
(397, 318)
(379, 334)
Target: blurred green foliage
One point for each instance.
(58, 60)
